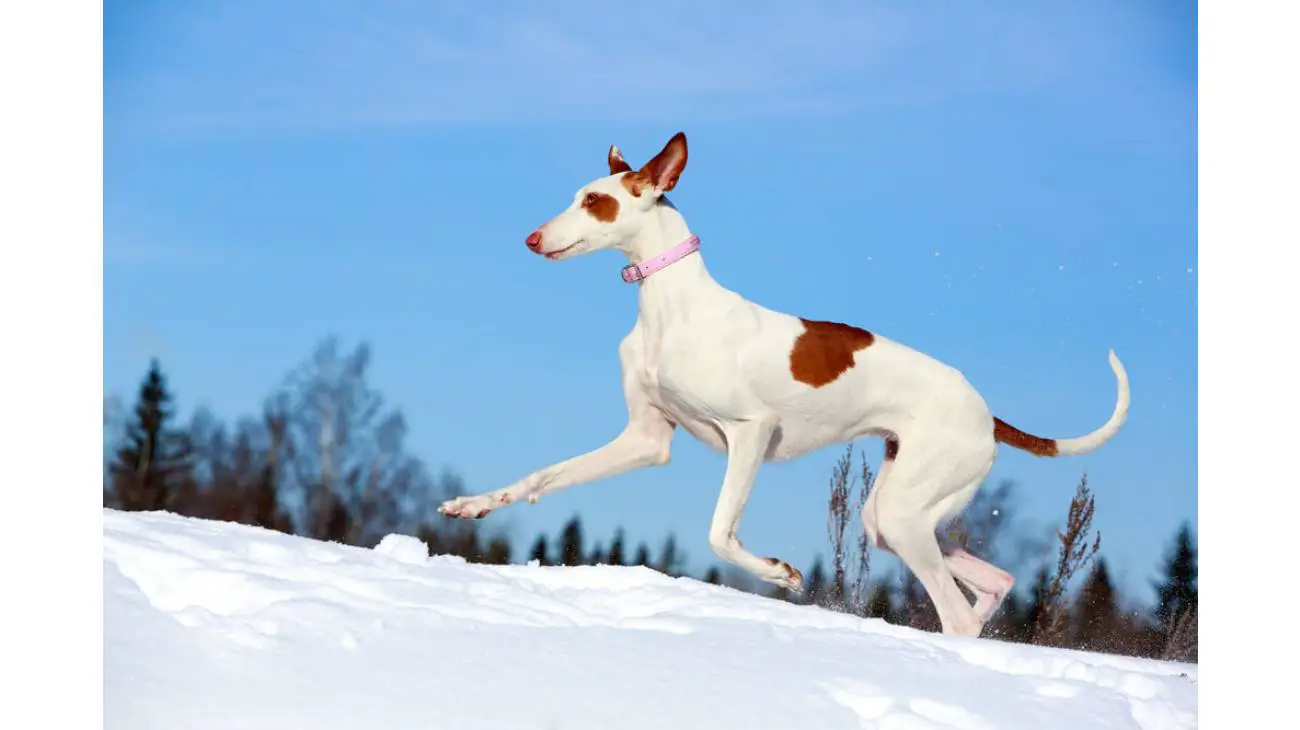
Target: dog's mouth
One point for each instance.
(555, 255)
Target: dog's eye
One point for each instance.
(589, 201)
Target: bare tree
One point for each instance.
(1075, 554)
(339, 451)
(1182, 642)
(849, 545)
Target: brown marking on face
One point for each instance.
(600, 206)
(1005, 433)
(825, 350)
(616, 162)
(891, 448)
(662, 171)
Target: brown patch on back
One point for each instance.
(602, 207)
(1005, 433)
(825, 350)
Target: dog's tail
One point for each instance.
(1005, 433)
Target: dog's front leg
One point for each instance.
(747, 443)
(645, 441)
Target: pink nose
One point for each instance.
(534, 241)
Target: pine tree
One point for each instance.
(714, 576)
(642, 556)
(498, 552)
(815, 590)
(1012, 621)
(1039, 604)
(616, 549)
(881, 603)
(597, 554)
(1097, 612)
(540, 552)
(571, 542)
(670, 561)
(153, 460)
(1176, 593)
(918, 610)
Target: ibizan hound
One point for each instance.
(761, 385)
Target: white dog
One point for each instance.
(761, 385)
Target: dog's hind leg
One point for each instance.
(989, 583)
(902, 514)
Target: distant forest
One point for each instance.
(326, 459)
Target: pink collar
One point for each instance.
(636, 272)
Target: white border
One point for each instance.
(51, 320)
(1248, 236)
(51, 301)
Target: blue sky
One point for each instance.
(1009, 186)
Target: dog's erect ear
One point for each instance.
(616, 162)
(666, 167)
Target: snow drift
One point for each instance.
(216, 625)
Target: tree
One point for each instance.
(816, 591)
(571, 552)
(497, 552)
(1097, 619)
(1076, 552)
(1014, 620)
(152, 461)
(918, 610)
(850, 550)
(1176, 592)
(880, 604)
(642, 555)
(670, 560)
(1182, 642)
(616, 549)
(342, 461)
(714, 576)
(1040, 601)
(539, 551)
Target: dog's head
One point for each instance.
(609, 211)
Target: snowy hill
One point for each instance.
(215, 625)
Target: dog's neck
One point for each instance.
(671, 291)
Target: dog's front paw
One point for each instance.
(475, 507)
(785, 575)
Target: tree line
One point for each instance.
(326, 458)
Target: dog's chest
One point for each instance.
(690, 379)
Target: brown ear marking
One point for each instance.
(600, 206)
(825, 350)
(616, 162)
(663, 170)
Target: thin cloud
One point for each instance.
(364, 64)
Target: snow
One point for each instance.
(216, 625)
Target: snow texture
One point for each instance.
(216, 625)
